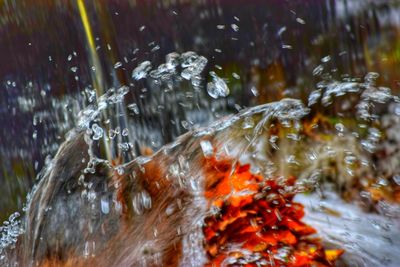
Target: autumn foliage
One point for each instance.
(255, 221)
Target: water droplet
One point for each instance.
(217, 87)
(248, 123)
(172, 60)
(125, 132)
(300, 20)
(326, 59)
(281, 31)
(255, 91)
(111, 134)
(185, 124)
(396, 179)
(126, 146)
(291, 159)
(339, 127)
(236, 76)
(142, 70)
(371, 78)
(188, 58)
(155, 48)
(118, 65)
(207, 148)
(120, 170)
(105, 205)
(318, 70)
(314, 97)
(97, 132)
(235, 27)
(86, 250)
(141, 202)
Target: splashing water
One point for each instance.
(217, 88)
(134, 206)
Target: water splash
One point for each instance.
(136, 202)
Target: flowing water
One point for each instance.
(137, 180)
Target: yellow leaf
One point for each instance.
(333, 254)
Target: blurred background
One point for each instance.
(54, 52)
